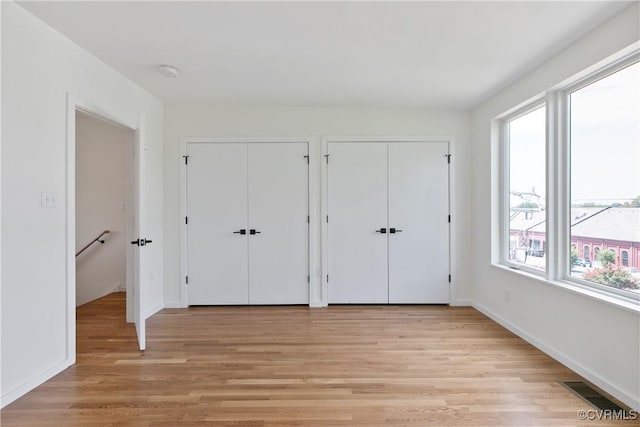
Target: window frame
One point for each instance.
(505, 185)
(564, 142)
(558, 181)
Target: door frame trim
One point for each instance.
(312, 194)
(116, 118)
(324, 201)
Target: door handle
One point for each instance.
(141, 242)
(382, 231)
(252, 231)
(393, 230)
(242, 231)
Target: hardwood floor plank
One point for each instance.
(149, 361)
(295, 366)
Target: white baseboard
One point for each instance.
(34, 382)
(119, 287)
(153, 310)
(174, 304)
(461, 303)
(626, 398)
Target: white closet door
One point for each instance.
(278, 209)
(357, 207)
(217, 207)
(419, 206)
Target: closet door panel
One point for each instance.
(419, 206)
(216, 208)
(357, 207)
(278, 208)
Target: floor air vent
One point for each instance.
(591, 396)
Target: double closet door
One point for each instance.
(247, 223)
(388, 222)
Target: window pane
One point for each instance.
(605, 180)
(527, 236)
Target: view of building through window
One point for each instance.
(605, 180)
(527, 182)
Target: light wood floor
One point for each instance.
(267, 366)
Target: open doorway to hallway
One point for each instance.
(104, 218)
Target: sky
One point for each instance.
(605, 142)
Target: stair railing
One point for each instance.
(97, 239)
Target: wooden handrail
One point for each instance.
(97, 239)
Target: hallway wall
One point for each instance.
(102, 175)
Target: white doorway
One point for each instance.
(103, 215)
(134, 220)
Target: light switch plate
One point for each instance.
(48, 199)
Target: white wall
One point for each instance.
(39, 67)
(102, 169)
(218, 121)
(598, 340)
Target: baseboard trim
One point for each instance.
(461, 303)
(174, 304)
(34, 382)
(580, 369)
(153, 310)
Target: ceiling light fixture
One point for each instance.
(169, 71)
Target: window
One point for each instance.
(588, 157)
(604, 142)
(526, 148)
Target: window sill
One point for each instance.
(628, 304)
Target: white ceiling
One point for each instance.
(409, 54)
